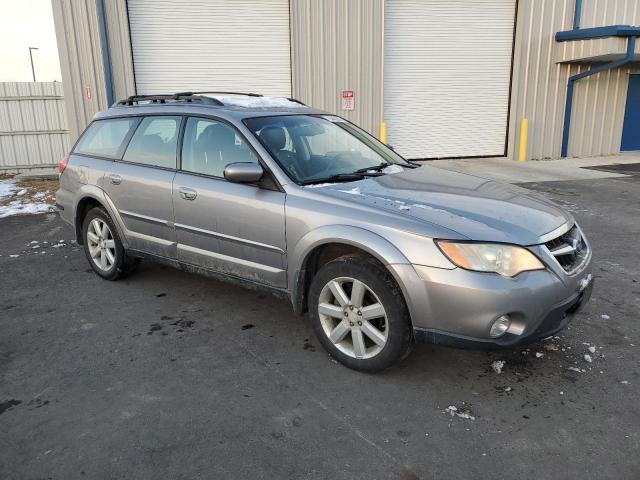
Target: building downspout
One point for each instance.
(631, 47)
(106, 56)
(577, 14)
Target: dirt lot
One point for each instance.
(170, 375)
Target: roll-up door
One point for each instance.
(447, 72)
(230, 45)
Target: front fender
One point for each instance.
(378, 247)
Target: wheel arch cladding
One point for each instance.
(327, 243)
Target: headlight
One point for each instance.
(507, 260)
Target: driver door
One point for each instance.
(231, 228)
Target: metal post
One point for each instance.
(33, 70)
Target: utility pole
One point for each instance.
(33, 70)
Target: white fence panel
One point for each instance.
(33, 125)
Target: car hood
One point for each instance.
(474, 207)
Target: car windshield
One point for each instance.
(320, 148)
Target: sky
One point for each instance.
(24, 24)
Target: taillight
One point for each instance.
(63, 163)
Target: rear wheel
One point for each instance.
(103, 247)
(359, 314)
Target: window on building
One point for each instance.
(155, 142)
(104, 138)
(209, 146)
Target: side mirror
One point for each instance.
(243, 172)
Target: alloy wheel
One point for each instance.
(102, 246)
(353, 318)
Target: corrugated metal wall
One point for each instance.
(33, 125)
(540, 84)
(119, 48)
(78, 38)
(337, 45)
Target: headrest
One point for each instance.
(218, 136)
(274, 137)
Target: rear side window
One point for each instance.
(155, 142)
(104, 138)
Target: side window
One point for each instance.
(155, 142)
(104, 138)
(209, 146)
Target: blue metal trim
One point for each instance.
(577, 14)
(598, 32)
(631, 48)
(106, 57)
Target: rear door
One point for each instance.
(140, 185)
(235, 229)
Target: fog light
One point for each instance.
(500, 326)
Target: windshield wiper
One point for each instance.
(339, 177)
(375, 168)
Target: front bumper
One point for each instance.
(459, 306)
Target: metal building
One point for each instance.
(526, 79)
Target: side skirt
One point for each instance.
(223, 277)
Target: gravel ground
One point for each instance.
(171, 375)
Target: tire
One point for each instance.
(109, 259)
(343, 323)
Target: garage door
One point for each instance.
(447, 69)
(232, 45)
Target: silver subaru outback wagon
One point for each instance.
(273, 194)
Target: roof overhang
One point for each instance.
(597, 44)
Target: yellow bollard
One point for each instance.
(524, 135)
(383, 132)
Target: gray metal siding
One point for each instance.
(78, 38)
(119, 48)
(33, 125)
(539, 83)
(337, 45)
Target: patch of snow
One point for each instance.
(391, 169)
(17, 208)
(40, 195)
(539, 355)
(404, 207)
(588, 358)
(508, 389)
(462, 413)
(318, 185)
(257, 102)
(14, 256)
(605, 317)
(498, 365)
(7, 187)
(21, 192)
(574, 369)
(592, 349)
(624, 382)
(353, 191)
(34, 241)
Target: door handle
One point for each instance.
(188, 193)
(115, 179)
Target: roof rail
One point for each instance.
(176, 97)
(295, 100)
(228, 93)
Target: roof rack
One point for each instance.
(176, 97)
(228, 93)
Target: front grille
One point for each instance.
(569, 249)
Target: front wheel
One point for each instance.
(359, 314)
(103, 247)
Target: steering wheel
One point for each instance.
(339, 157)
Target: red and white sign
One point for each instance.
(348, 99)
(87, 91)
